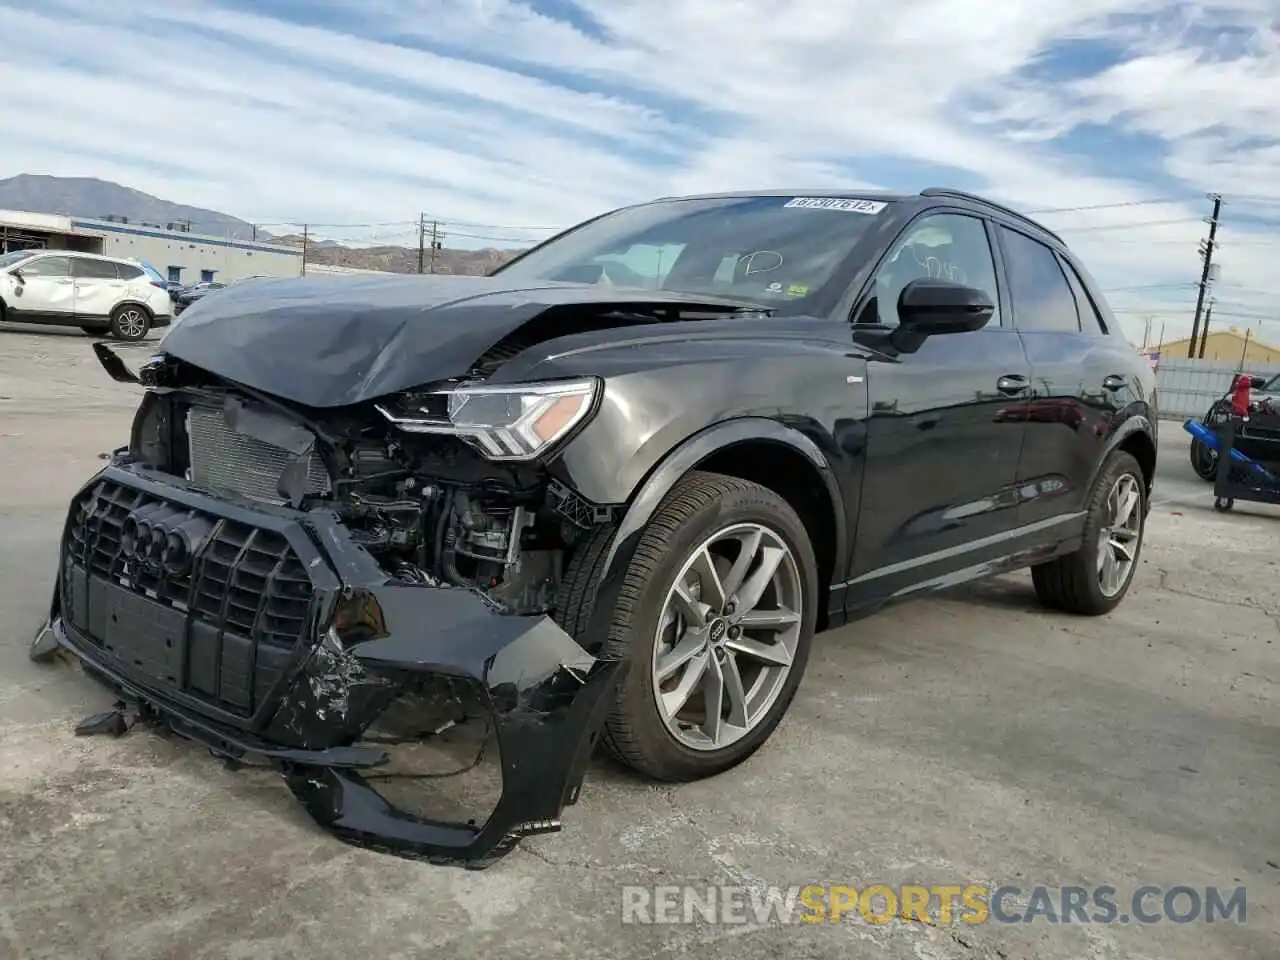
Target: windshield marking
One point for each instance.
(750, 262)
(869, 207)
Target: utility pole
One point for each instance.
(1204, 334)
(1146, 331)
(305, 236)
(1206, 251)
(437, 242)
(422, 240)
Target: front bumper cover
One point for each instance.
(368, 641)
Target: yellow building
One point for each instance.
(1234, 344)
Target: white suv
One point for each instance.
(96, 294)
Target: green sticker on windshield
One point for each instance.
(797, 290)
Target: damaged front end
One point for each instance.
(341, 593)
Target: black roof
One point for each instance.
(930, 193)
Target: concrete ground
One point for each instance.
(967, 738)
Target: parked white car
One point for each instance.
(97, 294)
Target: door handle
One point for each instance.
(1114, 382)
(1013, 383)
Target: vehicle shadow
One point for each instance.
(1002, 593)
(72, 333)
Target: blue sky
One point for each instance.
(510, 118)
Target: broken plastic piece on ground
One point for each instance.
(113, 722)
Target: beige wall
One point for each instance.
(1223, 345)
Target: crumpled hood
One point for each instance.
(334, 341)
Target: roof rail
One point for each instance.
(962, 195)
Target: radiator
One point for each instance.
(222, 459)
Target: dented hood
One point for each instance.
(334, 341)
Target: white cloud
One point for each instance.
(512, 118)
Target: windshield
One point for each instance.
(17, 256)
(774, 251)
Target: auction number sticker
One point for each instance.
(870, 207)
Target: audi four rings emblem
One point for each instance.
(161, 537)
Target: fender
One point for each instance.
(678, 462)
(1134, 423)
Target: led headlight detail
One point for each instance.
(509, 422)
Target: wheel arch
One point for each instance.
(133, 303)
(758, 449)
(1136, 435)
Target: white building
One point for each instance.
(179, 255)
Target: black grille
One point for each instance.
(218, 621)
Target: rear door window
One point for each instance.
(1042, 298)
(94, 269)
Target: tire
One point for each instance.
(130, 322)
(1073, 583)
(701, 507)
(1204, 461)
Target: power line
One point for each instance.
(1149, 286)
(1127, 226)
(1108, 206)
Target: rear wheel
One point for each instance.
(715, 617)
(130, 322)
(1094, 579)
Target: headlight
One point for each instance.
(511, 422)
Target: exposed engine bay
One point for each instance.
(428, 507)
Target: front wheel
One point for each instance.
(715, 617)
(1095, 578)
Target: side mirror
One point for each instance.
(1257, 383)
(16, 273)
(939, 306)
(928, 308)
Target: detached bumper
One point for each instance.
(264, 632)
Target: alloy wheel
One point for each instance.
(132, 324)
(1120, 535)
(727, 636)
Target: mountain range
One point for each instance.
(101, 199)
